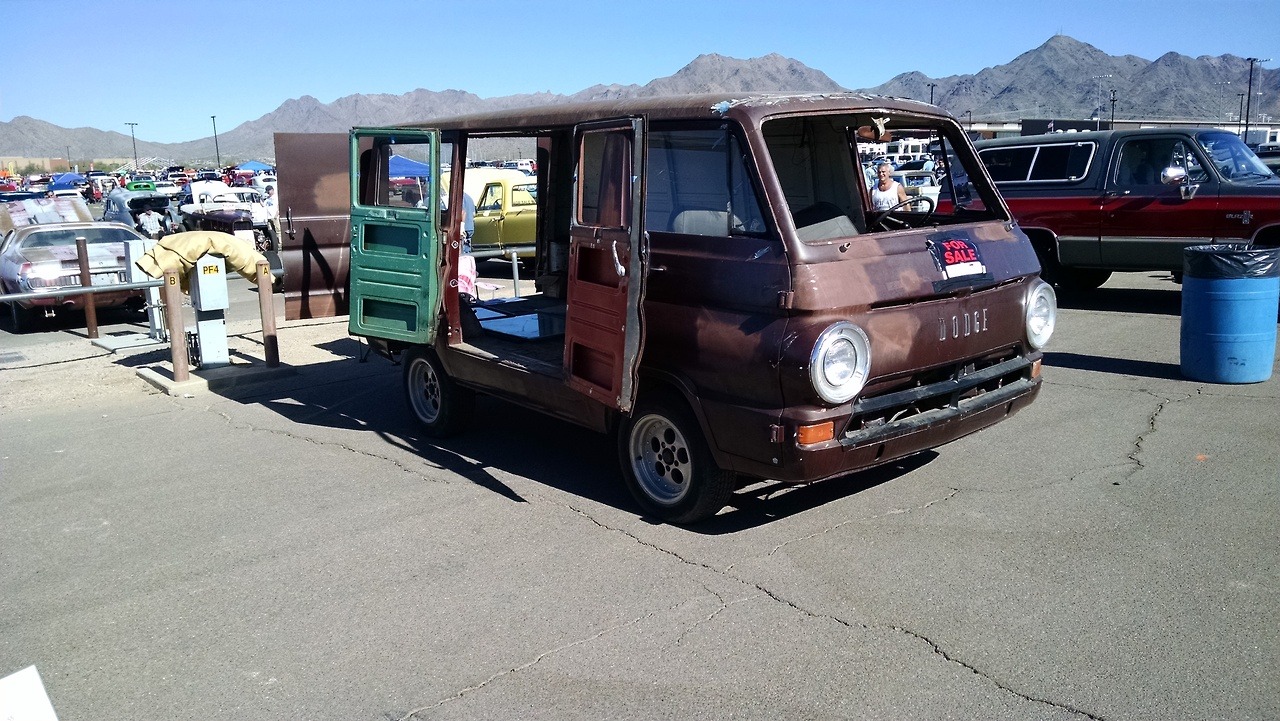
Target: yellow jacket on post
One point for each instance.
(180, 251)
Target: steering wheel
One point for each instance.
(884, 214)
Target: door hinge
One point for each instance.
(786, 298)
(777, 433)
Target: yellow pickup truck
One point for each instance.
(506, 209)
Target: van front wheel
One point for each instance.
(667, 466)
(438, 403)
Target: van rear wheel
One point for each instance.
(440, 405)
(667, 465)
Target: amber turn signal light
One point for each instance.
(816, 433)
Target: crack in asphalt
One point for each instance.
(890, 512)
(935, 648)
(342, 446)
(724, 605)
(545, 654)
(938, 650)
(1136, 463)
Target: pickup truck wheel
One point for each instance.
(442, 406)
(1082, 278)
(667, 466)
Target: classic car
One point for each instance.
(213, 201)
(38, 254)
(124, 206)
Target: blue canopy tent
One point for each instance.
(253, 165)
(62, 181)
(401, 167)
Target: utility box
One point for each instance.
(209, 284)
(207, 342)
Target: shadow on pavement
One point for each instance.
(351, 394)
(1117, 366)
(1161, 301)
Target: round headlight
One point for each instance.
(840, 362)
(1042, 314)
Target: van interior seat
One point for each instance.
(705, 222)
(822, 221)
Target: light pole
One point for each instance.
(1113, 108)
(1240, 115)
(931, 87)
(1098, 117)
(970, 114)
(135, 146)
(1249, 105)
(216, 153)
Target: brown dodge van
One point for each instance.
(714, 285)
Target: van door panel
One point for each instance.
(315, 222)
(395, 254)
(603, 332)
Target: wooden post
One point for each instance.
(171, 297)
(270, 344)
(86, 280)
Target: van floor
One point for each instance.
(526, 333)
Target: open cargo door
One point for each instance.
(315, 222)
(603, 332)
(395, 252)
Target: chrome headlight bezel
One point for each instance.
(1041, 314)
(840, 362)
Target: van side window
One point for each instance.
(604, 171)
(699, 183)
(398, 159)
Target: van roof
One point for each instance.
(710, 106)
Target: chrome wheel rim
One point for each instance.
(660, 459)
(424, 390)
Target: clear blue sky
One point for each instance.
(170, 64)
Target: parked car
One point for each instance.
(124, 206)
(38, 254)
(1130, 200)
(168, 187)
(524, 165)
(206, 196)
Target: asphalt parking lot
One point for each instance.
(294, 548)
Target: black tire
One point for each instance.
(1082, 278)
(667, 465)
(442, 407)
(24, 319)
(1067, 279)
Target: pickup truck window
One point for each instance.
(1032, 163)
(1235, 162)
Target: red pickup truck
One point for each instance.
(1131, 200)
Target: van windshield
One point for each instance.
(840, 178)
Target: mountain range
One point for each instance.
(1063, 78)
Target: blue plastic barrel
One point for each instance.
(1230, 298)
